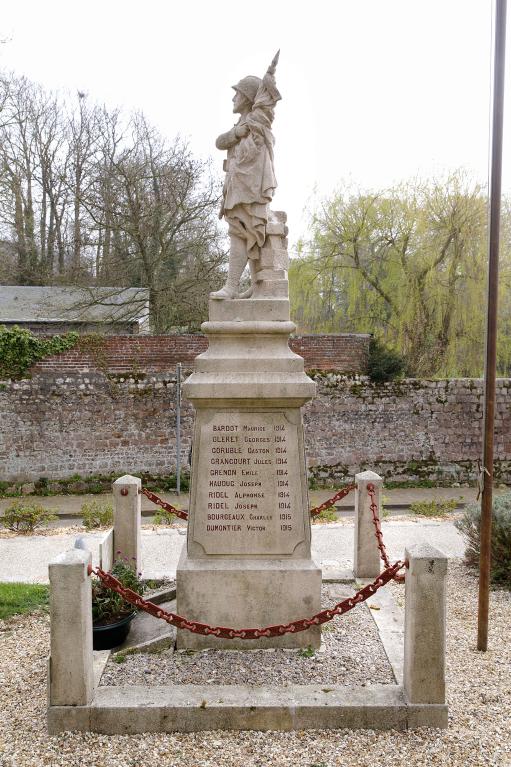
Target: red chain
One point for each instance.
(337, 497)
(371, 492)
(183, 514)
(231, 633)
(164, 504)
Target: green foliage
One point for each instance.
(164, 517)
(119, 657)
(327, 515)
(433, 508)
(96, 514)
(384, 364)
(19, 349)
(22, 517)
(107, 605)
(8, 490)
(95, 484)
(306, 652)
(93, 344)
(407, 264)
(405, 483)
(313, 482)
(17, 598)
(470, 527)
(170, 483)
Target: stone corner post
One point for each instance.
(71, 679)
(127, 514)
(366, 555)
(424, 662)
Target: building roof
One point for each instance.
(73, 304)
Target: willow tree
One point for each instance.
(407, 265)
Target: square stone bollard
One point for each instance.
(424, 661)
(127, 519)
(366, 555)
(71, 681)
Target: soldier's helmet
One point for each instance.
(249, 87)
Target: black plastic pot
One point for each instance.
(111, 635)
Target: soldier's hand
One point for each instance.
(242, 130)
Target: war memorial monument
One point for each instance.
(245, 579)
(248, 558)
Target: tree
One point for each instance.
(408, 265)
(90, 196)
(154, 209)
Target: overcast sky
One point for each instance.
(374, 91)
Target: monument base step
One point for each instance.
(131, 709)
(249, 309)
(248, 593)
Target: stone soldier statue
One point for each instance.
(250, 177)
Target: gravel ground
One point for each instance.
(340, 661)
(479, 691)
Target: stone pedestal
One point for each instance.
(247, 561)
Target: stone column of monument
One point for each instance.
(247, 560)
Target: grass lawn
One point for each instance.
(18, 598)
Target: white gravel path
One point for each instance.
(479, 692)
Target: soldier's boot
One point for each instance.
(237, 264)
(248, 293)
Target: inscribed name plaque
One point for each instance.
(250, 495)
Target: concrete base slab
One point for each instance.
(134, 709)
(338, 576)
(245, 593)
(166, 594)
(99, 661)
(130, 710)
(389, 619)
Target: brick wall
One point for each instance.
(124, 354)
(347, 352)
(58, 424)
(59, 328)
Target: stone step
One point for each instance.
(149, 634)
(243, 309)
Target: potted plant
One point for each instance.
(111, 614)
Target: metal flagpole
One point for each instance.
(499, 35)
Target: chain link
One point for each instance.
(337, 497)
(371, 492)
(251, 633)
(389, 573)
(183, 514)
